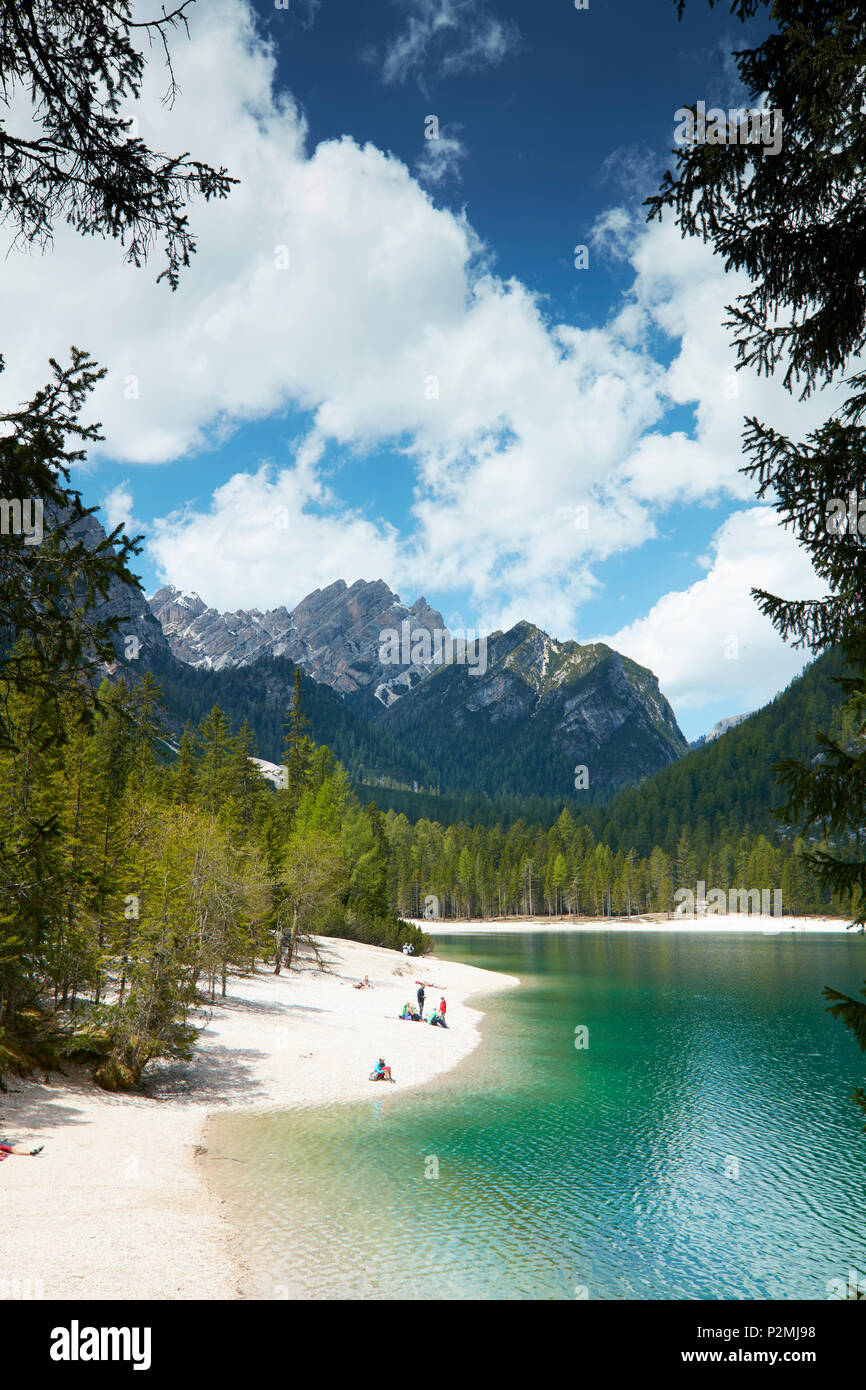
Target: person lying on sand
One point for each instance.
(6, 1149)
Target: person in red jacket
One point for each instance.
(442, 1006)
(6, 1149)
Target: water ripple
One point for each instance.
(702, 1147)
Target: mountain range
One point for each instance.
(498, 737)
(333, 635)
(513, 712)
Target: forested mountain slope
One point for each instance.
(727, 787)
(537, 712)
(260, 695)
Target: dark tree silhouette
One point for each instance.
(76, 63)
(79, 63)
(795, 222)
(51, 638)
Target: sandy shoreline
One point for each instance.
(118, 1205)
(722, 922)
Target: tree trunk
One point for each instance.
(293, 939)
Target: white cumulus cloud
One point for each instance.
(330, 281)
(710, 642)
(117, 510)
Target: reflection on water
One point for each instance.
(703, 1145)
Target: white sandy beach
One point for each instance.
(118, 1206)
(721, 922)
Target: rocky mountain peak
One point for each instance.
(336, 634)
(721, 728)
(544, 706)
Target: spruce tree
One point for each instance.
(50, 590)
(297, 749)
(75, 159)
(793, 221)
(79, 64)
(185, 768)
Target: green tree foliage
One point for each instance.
(79, 64)
(49, 590)
(728, 787)
(260, 693)
(67, 827)
(74, 158)
(131, 886)
(480, 871)
(296, 751)
(793, 221)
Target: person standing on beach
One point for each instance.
(420, 998)
(442, 1006)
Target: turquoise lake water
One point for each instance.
(702, 1146)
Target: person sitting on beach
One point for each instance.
(381, 1072)
(438, 1020)
(407, 1011)
(363, 984)
(6, 1149)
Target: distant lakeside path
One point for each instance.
(118, 1204)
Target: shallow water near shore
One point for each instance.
(703, 1145)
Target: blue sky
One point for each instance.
(271, 428)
